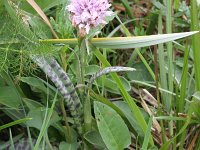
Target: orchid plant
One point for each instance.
(95, 121)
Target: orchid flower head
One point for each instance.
(88, 14)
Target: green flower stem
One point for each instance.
(82, 51)
(85, 99)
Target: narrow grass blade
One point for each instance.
(14, 123)
(147, 134)
(181, 100)
(163, 71)
(128, 9)
(195, 42)
(170, 118)
(112, 128)
(45, 124)
(11, 140)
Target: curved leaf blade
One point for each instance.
(140, 41)
(127, 42)
(14, 123)
(112, 128)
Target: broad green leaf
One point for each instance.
(94, 138)
(111, 85)
(129, 115)
(34, 82)
(92, 69)
(31, 104)
(38, 118)
(142, 74)
(112, 128)
(9, 97)
(127, 42)
(68, 146)
(147, 134)
(14, 114)
(38, 85)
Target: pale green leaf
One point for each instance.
(112, 128)
(140, 41)
(68, 146)
(127, 42)
(9, 97)
(94, 138)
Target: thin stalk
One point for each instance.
(87, 113)
(158, 95)
(169, 52)
(104, 77)
(170, 62)
(81, 53)
(195, 41)
(163, 76)
(85, 99)
(181, 101)
(126, 31)
(191, 79)
(161, 57)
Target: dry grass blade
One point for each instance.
(147, 109)
(191, 146)
(42, 15)
(146, 96)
